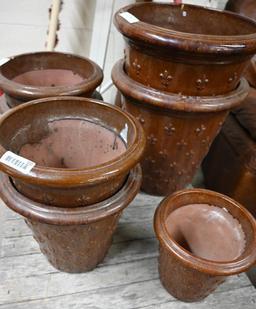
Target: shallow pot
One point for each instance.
(73, 239)
(168, 49)
(83, 149)
(46, 74)
(179, 129)
(185, 275)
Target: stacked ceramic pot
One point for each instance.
(180, 77)
(45, 74)
(70, 166)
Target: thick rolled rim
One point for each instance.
(216, 44)
(153, 97)
(69, 216)
(59, 177)
(241, 264)
(33, 92)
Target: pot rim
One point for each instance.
(184, 103)
(19, 90)
(241, 264)
(70, 216)
(188, 42)
(59, 177)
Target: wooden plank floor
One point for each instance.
(128, 278)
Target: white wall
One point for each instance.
(23, 27)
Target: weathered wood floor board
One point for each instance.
(128, 277)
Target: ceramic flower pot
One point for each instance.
(185, 274)
(179, 129)
(83, 149)
(73, 239)
(186, 49)
(45, 74)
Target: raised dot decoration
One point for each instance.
(169, 129)
(152, 139)
(233, 78)
(201, 83)
(182, 144)
(84, 199)
(141, 119)
(136, 66)
(165, 78)
(200, 130)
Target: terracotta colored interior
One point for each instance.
(185, 18)
(74, 143)
(207, 231)
(49, 78)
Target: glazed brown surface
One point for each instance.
(46, 74)
(189, 277)
(168, 49)
(71, 171)
(179, 129)
(207, 231)
(230, 165)
(48, 78)
(73, 239)
(74, 143)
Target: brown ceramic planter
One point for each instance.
(189, 277)
(83, 149)
(73, 239)
(46, 74)
(179, 129)
(170, 50)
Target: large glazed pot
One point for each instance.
(186, 270)
(186, 49)
(179, 129)
(46, 74)
(83, 149)
(73, 239)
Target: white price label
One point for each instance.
(129, 17)
(17, 162)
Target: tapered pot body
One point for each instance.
(83, 149)
(168, 49)
(73, 239)
(189, 277)
(179, 129)
(46, 74)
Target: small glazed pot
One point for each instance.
(46, 74)
(83, 149)
(189, 277)
(168, 49)
(73, 239)
(179, 129)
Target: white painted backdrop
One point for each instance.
(86, 29)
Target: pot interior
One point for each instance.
(74, 143)
(47, 69)
(193, 19)
(67, 133)
(207, 231)
(48, 78)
